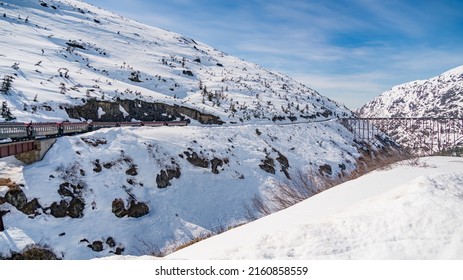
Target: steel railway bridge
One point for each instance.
(422, 136)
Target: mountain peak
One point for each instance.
(439, 96)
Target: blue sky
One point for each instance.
(350, 51)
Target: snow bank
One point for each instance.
(404, 213)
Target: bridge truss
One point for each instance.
(422, 136)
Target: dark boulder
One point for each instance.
(118, 208)
(96, 246)
(16, 197)
(215, 163)
(137, 209)
(163, 179)
(325, 169)
(268, 165)
(59, 210)
(76, 208)
(31, 207)
(111, 242)
(132, 171)
(196, 160)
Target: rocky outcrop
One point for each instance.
(137, 109)
(163, 179)
(135, 210)
(59, 210)
(96, 246)
(268, 165)
(325, 169)
(31, 207)
(76, 208)
(73, 209)
(196, 160)
(118, 208)
(132, 171)
(215, 163)
(16, 197)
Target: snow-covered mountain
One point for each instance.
(60, 54)
(141, 190)
(440, 96)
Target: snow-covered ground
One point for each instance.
(126, 162)
(407, 212)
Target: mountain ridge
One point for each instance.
(104, 56)
(439, 96)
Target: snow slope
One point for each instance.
(198, 202)
(61, 53)
(440, 96)
(407, 212)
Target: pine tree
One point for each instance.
(6, 113)
(7, 84)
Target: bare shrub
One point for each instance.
(149, 248)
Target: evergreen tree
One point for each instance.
(6, 84)
(6, 114)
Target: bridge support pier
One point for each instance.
(42, 147)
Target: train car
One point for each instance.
(15, 131)
(98, 125)
(45, 129)
(28, 131)
(177, 123)
(67, 128)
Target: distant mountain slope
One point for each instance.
(437, 97)
(60, 54)
(440, 96)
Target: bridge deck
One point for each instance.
(15, 148)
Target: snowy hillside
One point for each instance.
(148, 188)
(407, 212)
(57, 54)
(440, 96)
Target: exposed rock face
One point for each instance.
(215, 162)
(135, 210)
(268, 165)
(59, 210)
(96, 246)
(111, 242)
(325, 169)
(202, 162)
(284, 163)
(31, 207)
(76, 208)
(196, 160)
(16, 197)
(118, 208)
(163, 179)
(34, 253)
(132, 171)
(139, 110)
